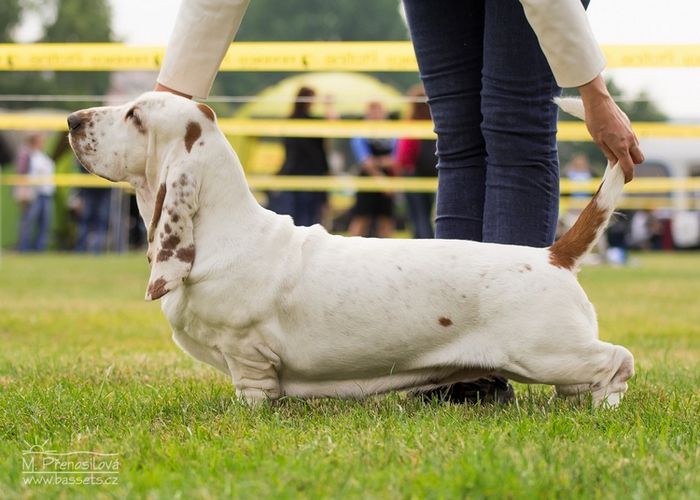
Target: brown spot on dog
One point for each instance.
(164, 254)
(157, 209)
(170, 243)
(576, 242)
(524, 268)
(183, 181)
(167, 228)
(194, 131)
(208, 112)
(445, 321)
(175, 217)
(186, 254)
(157, 289)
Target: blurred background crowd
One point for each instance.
(96, 219)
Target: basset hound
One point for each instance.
(286, 310)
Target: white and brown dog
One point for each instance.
(288, 310)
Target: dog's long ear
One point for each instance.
(171, 245)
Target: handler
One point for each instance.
(490, 70)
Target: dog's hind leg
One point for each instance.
(609, 381)
(575, 367)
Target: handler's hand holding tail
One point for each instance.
(610, 127)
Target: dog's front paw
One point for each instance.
(255, 397)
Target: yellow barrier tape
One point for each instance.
(652, 56)
(568, 131)
(646, 203)
(292, 56)
(644, 185)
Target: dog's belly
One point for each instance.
(360, 387)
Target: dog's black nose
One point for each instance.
(74, 121)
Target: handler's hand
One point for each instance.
(163, 88)
(610, 127)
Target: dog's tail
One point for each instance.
(568, 251)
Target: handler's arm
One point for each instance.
(203, 32)
(567, 41)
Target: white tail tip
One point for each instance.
(571, 105)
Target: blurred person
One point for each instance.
(490, 69)
(23, 195)
(303, 156)
(416, 158)
(93, 218)
(375, 159)
(579, 170)
(36, 220)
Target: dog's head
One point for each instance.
(153, 143)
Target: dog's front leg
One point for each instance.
(254, 377)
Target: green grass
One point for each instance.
(85, 364)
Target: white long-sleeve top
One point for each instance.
(40, 165)
(205, 28)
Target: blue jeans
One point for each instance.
(94, 220)
(420, 209)
(305, 207)
(36, 217)
(490, 92)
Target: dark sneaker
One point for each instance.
(485, 390)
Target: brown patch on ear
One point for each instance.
(164, 255)
(157, 289)
(186, 254)
(157, 209)
(445, 322)
(208, 112)
(170, 243)
(194, 132)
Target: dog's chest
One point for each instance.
(209, 322)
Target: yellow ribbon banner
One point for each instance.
(568, 131)
(644, 185)
(292, 56)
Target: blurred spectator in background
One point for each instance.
(646, 231)
(375, 158)
(36, 220)
(579, 170)
(24, 195)
(303, 156)
(416, 158)
(93, 218)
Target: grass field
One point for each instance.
(85, 364)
